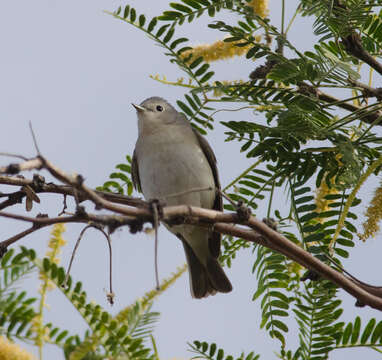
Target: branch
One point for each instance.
(370, 118)
(39, 186)
(367, 90)
(235, 224)
(353, 46)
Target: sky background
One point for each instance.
(73, 71)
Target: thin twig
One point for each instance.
(34, 138)
(64, 284)
(209, 188)
(156, 225)
(14, 155)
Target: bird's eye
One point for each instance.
(159, 108)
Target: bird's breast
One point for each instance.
(176, 172)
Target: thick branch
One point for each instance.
(354, 47)
(17, 196)
(249, 228)
(369, 118)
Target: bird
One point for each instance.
(174, 164)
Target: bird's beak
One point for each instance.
(138, 107)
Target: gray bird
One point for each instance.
(171, 160)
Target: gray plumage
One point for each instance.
(170, 157)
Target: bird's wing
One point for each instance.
(135, 173)
(214, 243)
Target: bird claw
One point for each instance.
(270, 222)
(243, 212)
(158, 205)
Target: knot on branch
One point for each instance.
(116, 222)
(262, 71)
(136, 226)
(243, 212)
(359, 303)
(37, 225)
(3, 250)
(353, 45)
(272, 223)
(378, 94)
(12, 169)
(79, 180)
(310, 275)
(307, 90)
(38, 182)
(17, 197)
(81, 212)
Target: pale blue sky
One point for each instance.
(73, 71)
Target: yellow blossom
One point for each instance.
(10, 351)
(260, 7)
(322, 203)
(373, 215)
(56, 242)
(217, 92)
(219, 50)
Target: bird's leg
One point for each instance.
(156, 206)
(157, 209)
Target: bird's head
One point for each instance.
(155, 112)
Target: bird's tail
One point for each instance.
(205, 281)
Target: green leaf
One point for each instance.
(161, 30)
(133, 15)
(196, 62)
(152, 24)
(181, 7)
(346, 334)
(169, 16)
(176, 42)
(46, 264)
(169, 35)
(202, 70)
(124, 167)
(206, 77)
(212, 350)
(141, 20)
(126, 11)
(7, 257)
(356, 330)
(184, 107)
(193, 3)
(377, 333)
(220, 355)
(367, 332)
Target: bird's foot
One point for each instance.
(272, 223)
(157, 205)
(243, 211)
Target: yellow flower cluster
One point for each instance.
(260, 7)
(219, 50)
(42, 332)
(322, 203)
(55, 244)
(10, 351)
(217, 92)
(373, 216)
